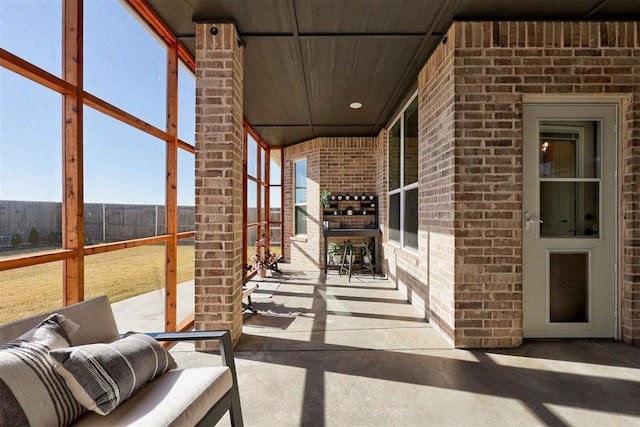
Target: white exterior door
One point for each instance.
(569, 221)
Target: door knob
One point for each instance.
(528, 219)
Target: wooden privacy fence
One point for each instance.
(104, 222)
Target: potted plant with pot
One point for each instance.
(366, 253)
(335, 251)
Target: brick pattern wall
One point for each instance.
(630, 202)
(302, 252)
(470, 99)
(341, 165)
(219, 145)
(436, 167)
(495, 64)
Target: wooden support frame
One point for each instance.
(73, 195)
(70, 86)
(171, 205)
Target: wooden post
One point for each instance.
(72, 174)
(171, 205)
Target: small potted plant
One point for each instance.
(366, 253)
(335, 250)
(325, 198)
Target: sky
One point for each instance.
(125, 65)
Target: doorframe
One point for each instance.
(595, 99)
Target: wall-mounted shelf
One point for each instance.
(352, 210)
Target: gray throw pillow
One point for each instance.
(31, 391)
(101, 376)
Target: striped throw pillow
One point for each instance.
(101, 376)
(31, 391)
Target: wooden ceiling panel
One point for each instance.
(306, 60)
(366, 16)
(282, 136)
(274, 87)
(520, 9)
(342, 71)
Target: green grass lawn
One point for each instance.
(119, 274)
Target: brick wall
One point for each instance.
(470, 100)
(219, 145)
(299, 251)
(345, 165)
(495, 64)
(436, 131)
(630, 202)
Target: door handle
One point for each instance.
(527, 219)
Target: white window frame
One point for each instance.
(402, 189)
(296, 205)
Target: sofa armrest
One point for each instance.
(226, 353)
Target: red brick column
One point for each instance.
(219, 154)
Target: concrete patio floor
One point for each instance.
(323, 351)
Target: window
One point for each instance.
(124, 185)
(300, 197)
(403, 179)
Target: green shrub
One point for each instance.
(34, 237)
(52, 239)
(16, 240)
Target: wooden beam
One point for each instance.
(115, 112)
(186, 146)
(110, 247)
(72, 173)
(35, 259)
(31, 72)
(171, 192)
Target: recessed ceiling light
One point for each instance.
(355, 105)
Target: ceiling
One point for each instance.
(307, 60)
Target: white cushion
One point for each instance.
(177, 398)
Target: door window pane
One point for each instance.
(569, 209)
(568, 287)
(570, 149)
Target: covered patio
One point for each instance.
(323, 351)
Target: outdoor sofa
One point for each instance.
(30, 347)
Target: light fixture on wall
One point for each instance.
(543, 149)
(355, 105)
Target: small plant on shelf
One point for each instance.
(325, 198)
